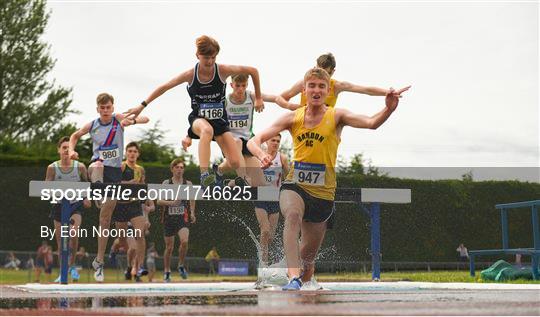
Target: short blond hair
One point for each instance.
(104, 98)
(207, 46)
(240, 78)
(317, 72)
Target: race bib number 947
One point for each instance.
(309, 173)
(211, 111)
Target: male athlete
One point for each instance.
(267, 212)
(307, 195)
(208, 118)
(67, 170)
(328, 63)
(107, 133)
(131, 212)
(176, 217)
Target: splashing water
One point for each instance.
(275, 275)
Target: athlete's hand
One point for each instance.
(73, 155)
(127, 121)
(391, 100)
(186, 142)
(134, 111)
(259, 104)
(266, 161)
(398, 92)
(193, 219)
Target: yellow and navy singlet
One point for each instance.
(129, 173)
(330, 100)
(315, 152)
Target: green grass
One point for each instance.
(115, 276)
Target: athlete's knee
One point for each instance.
(234, 161)
(293, 216)
(96, 164)
(206, 132)
(184, 244)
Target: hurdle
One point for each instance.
(367, 200)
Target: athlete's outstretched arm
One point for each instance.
(283, 100)
(347, 118)
(293, 91)
(254, 144)
(229, 70)
(74, 138)
(372, 91)
(127, 120)
(182, 78)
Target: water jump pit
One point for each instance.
(235, 298)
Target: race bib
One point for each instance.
(109, 152)
(238, 122)
(211, 111)
(176, 210)
(309, 173)
(270, 177)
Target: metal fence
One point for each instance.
(199, 265)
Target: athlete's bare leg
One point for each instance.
(292, 208)
(139, 224)
(105, 215)
(169, 245)
(76, 221)
(227, 144)
(264, 226)
(312, 238)
(204, 130)
(183, 234)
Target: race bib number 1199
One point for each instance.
(309, 173)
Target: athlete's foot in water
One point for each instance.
(241, 181)
(295, 284)
(218, 175)
(207, 179)
(183, 272)
(99, 275)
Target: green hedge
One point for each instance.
(442, 214)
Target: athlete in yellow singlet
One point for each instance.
(328, 63)
(307, 195)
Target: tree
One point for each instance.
(152, 150)
(31, 105)
(357, 166)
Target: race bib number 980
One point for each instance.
(211, 111)
(309, 173)
(109, 153)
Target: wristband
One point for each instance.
(144, 104)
